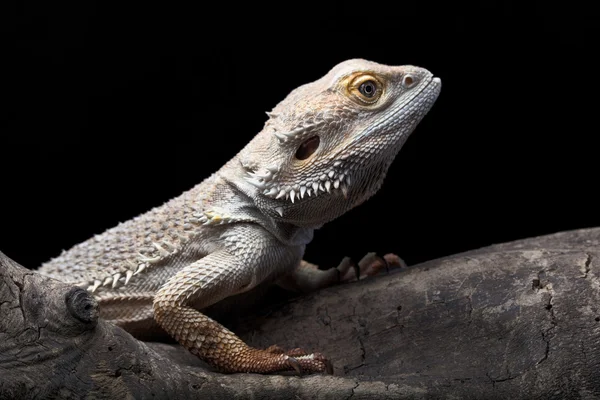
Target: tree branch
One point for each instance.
(517, 320)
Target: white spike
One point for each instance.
(161, 250)
(315, 186)
(107, 281)
(295, 132)
(145, 259)
(281, 194)
(140, 268)
(94, 286)
(336, 184)
(302, 191)
(154, 260)
(273, 170)
(328, 186)
(341, 177)
(271, 192)
(116, 278)
(321, 187)
(282, 138)
(272, 114)
(244, 164)
(309, 192)
(292, 195)
(256, 183)
(279, 211)
(128, 276)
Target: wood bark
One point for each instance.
(519, 320)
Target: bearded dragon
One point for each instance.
(324, 149)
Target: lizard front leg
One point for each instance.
(228, 271)
(307, 277)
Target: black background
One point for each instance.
(109, 111)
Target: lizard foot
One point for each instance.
(275, 359)
(370, 265)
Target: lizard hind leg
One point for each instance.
(221, 348)
(205, 282)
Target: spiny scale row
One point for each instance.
(164, 249)
(263, 181)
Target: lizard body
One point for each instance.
(324, 150)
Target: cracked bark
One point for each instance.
(516, 320)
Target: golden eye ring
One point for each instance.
(366, 89)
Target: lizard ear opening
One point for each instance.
(307, 148)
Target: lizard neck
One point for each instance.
(247, 207)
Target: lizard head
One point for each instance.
(327, 146)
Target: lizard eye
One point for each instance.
(307, 148)
(366, 89)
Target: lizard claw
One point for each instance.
(370, 265)
(292, 362)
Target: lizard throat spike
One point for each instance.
(279, 211)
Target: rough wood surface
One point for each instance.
(519, 320)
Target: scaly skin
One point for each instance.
(324, 150)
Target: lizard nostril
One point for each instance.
(408, 81)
